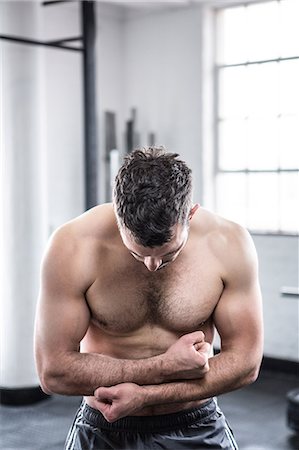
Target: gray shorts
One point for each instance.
(199, 428)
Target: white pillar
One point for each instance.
(23, 220)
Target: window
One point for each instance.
(257, 115)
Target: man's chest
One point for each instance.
(176, 300)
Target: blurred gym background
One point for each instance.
(83, 83)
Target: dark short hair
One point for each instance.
(152, 193)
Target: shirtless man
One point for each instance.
(130, 295)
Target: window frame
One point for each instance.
(210, 65)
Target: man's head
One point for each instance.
(153, 197)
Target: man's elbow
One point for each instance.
(48, 383)
(251, 374)
(51, 379)
(45, 388)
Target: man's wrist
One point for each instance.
(147, 394)
(165, 371)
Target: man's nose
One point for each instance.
(152, 264)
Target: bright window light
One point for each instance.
(257, 115)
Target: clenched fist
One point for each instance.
(188, 357)
(119, 401)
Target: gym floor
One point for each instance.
(256, 413)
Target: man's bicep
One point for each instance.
(62, 316)
(238, 315)
(61, 322)
(238, 319)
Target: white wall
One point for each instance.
(144, 63)
(63, 104)
(62, 108)
(110, 79)
(278, 260)
(162, 80)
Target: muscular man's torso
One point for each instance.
(136, 313)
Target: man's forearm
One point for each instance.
(81, 373)
(225, 375)
(73, 373)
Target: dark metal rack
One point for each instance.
(87, 48)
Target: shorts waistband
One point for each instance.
(150, 423)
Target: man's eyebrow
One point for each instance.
(167, 254)
(174, 251)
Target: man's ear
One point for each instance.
(193, 210)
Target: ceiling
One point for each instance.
(136, 8)
(152, 4)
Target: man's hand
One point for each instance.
(188, 357)
(119, 401)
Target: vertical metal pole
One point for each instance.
(90, 128)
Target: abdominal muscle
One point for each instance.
(132, 346)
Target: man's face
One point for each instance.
(158, 257)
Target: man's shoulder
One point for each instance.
(213, 225)
(94, 227)
(223, 236)
(76, 247)
(96, 223)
